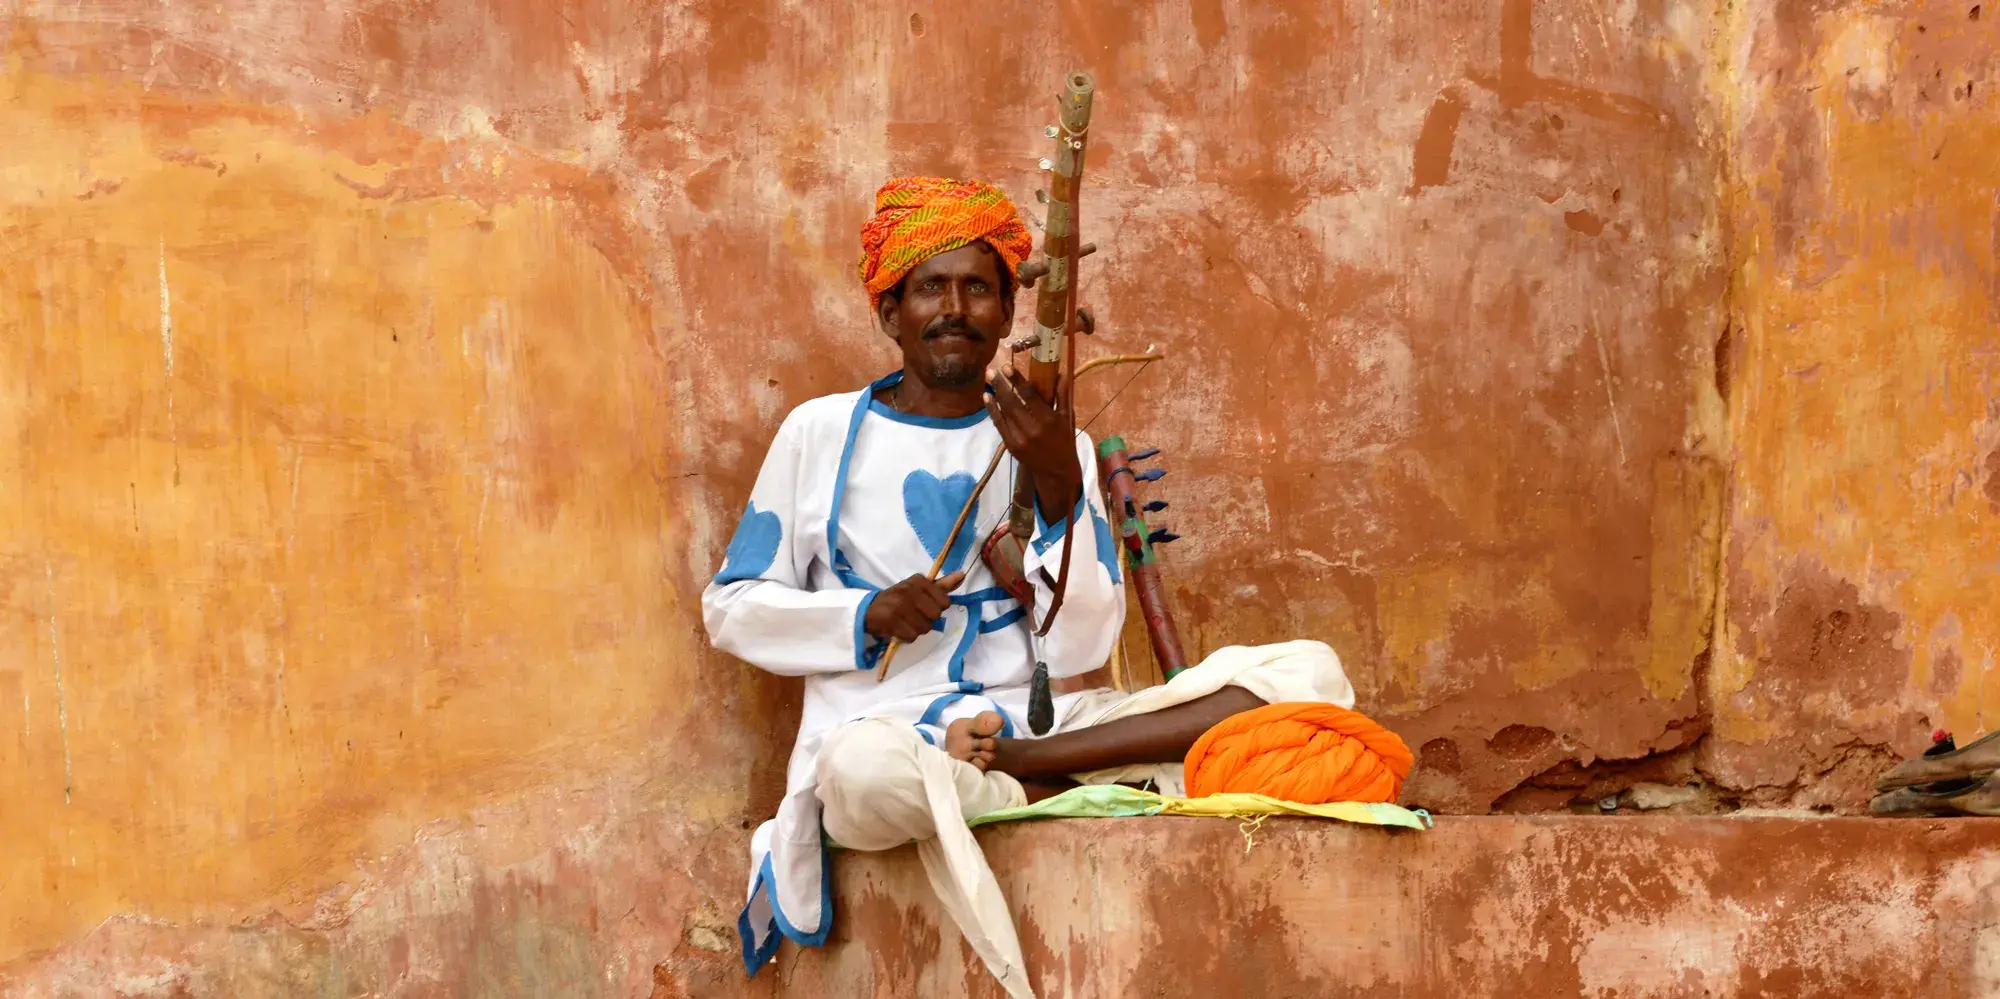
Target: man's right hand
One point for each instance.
(907, 610)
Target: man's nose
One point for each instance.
(955, 301)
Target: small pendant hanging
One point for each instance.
(1041, 703)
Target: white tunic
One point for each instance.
(888, 486)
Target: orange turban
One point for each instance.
(917, 218)
(1308, 752)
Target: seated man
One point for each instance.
(853, 503)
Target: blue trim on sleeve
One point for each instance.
(926, 733)
(1047, 534)
(866, 651)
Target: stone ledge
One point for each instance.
(1529, 906)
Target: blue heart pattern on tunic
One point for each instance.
(754, 547)
(931, 505)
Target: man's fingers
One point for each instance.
(1004, 415)
(914, 622)
(1026, 400)
(1008, 422)
(1022, 390)
(1017, 399)
(935, 599)
(951, 582)
(922, 595)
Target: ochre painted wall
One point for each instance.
(379, 383)
(1863, 558)
(1538, 906)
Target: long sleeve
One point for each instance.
(1093, 609)
(759, 607)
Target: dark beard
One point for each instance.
(953, 372)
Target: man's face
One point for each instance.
(951, 316)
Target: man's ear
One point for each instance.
(885, 315)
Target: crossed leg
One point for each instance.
(1043, 765)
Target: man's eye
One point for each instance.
(933, 286)
(979, 287)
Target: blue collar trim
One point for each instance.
(888, 412)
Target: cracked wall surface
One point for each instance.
(1862, 568)
(1660, 908)
(1607, 383)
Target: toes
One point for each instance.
(972, 739)
(961, 739)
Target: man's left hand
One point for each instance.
(1039, 438)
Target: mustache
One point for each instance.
(942, 325)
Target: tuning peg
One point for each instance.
(1161, 536)
(1051, 131)
(1143, 455)
(1155, 506)
(1046, 163)
(1085, 321)
(1025, 341)
(1031, 271)
(1150, 475)
(1042, 195)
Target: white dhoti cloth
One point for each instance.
(880, 784)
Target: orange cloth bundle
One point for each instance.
(1308, 752)
(917, 218)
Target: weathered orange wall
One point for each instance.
(1863, 558)
(1553, 906)
(379, 379)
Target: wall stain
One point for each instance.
(375, 603)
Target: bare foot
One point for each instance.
(971, 739)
